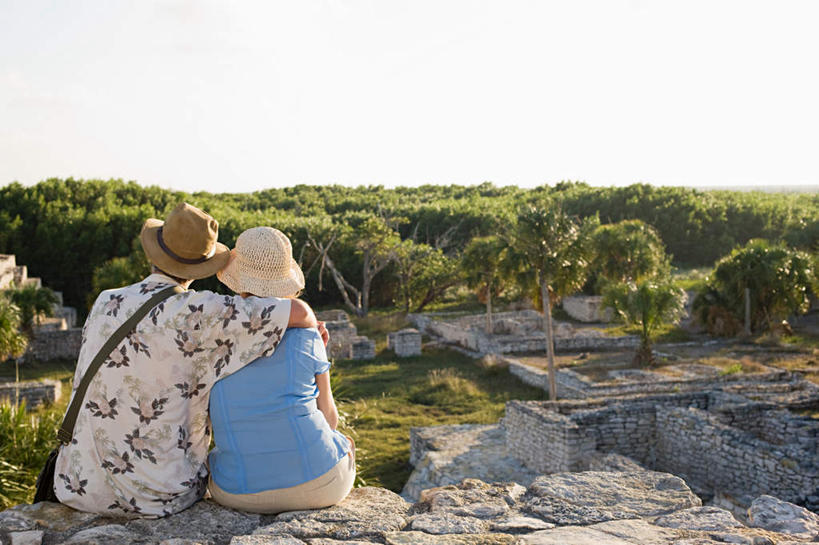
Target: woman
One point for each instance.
(274, 421)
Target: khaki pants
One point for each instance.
(323, 491)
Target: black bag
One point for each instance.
(45, 481)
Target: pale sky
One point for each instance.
(239, 96)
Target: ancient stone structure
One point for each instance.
(362, 348)
(611, 508)
(689, 378)
(55, 337)
(345, 342)
(13, 274)
(55, 344)
(718, 440)
(33, 393)
(518, 331)
(405, 343)
(587, 308)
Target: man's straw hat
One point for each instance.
(262, 264)
(185, 244)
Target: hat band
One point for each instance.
(172, 255)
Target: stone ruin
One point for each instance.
(405, 343)
(345, 342)
(53, 338)
(516, 331)
(732, 438)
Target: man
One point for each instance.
(141, 438)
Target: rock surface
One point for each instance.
(780, 516)
(613, 508)
(445, 455)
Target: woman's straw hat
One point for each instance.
(262, 264)
(185, 244)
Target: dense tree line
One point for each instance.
(65, 230)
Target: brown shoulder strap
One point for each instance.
(66, 431)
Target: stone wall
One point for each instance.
(573, 385)
(34, 393)
(712, 457)
(56, 344)
(468, 332)
(718, 441)
(545, 441)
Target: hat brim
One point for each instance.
(157, 256)
(232, 277)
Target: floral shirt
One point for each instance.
(142, 435)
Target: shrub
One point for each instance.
(26, 438)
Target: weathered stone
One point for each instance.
(473, 497)
(45, 515)
(109, 534)
(700, 518)
(574, 535)
(365, 513)
(205, 520)
(614, 495)
(29, 537)
(445, 455)
(325, 541)
(518, 524)
(446, 523)
(421, 538)
(780, 516)
(638, 531)
(281, 539)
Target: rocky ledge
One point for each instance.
(593, 507)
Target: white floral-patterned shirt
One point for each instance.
(142, 435)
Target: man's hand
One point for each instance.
(325, 335)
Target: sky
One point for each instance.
(239, 96)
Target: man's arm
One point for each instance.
(301, 315)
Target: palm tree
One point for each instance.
(33, 303)
(648, 304)
(482, 262)
(555, 247)
(12, 342)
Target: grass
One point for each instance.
(387, 396)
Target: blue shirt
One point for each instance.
(268, 431)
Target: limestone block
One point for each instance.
(587, 308)
(362, 348)
(405, 343)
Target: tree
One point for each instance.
(32, 303)
(627, 251)
(13, 342)
(555, 246)
(482, 263)
(373, 240)
(119, 271)
(779, 280)
(649, 304)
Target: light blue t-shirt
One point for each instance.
(268, 431)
